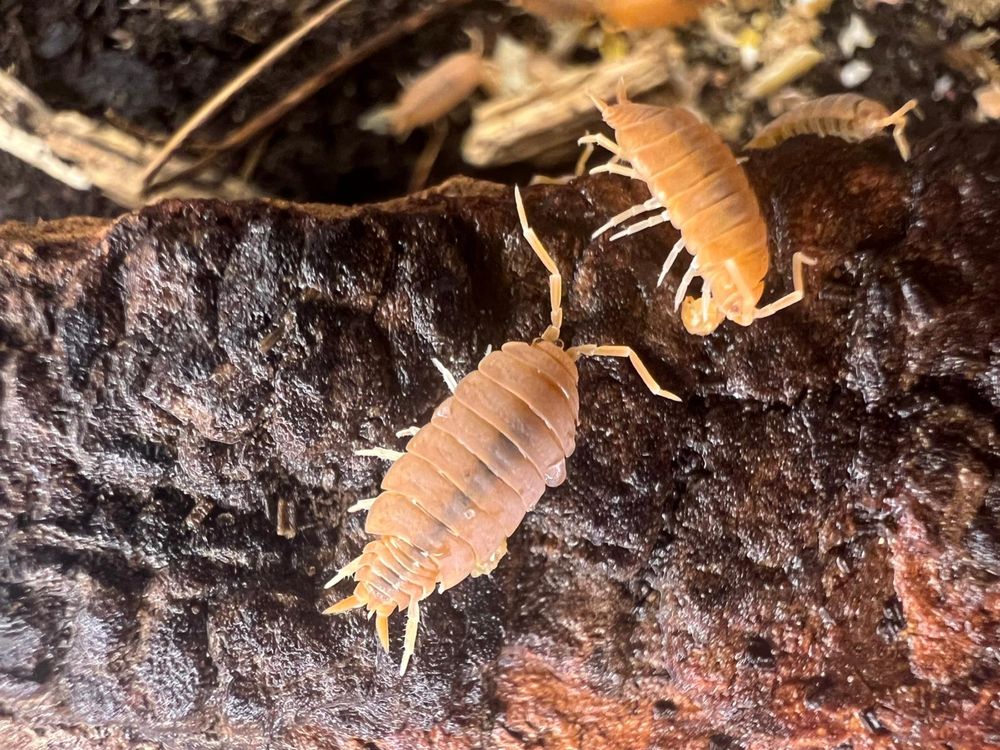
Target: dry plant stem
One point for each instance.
(317, 81)
(84, 153)
(549, 115)
(227, 92)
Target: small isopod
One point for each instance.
(649, 14)
(434, 93)
(620, 14)
(851, 117)
(469, 476)
(698, 186)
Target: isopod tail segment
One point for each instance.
(396, 573)
(698, 186)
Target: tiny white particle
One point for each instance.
(856, 34)
(855, 73)
(942, 86)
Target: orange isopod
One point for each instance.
(468, 477)
(620, 14)
(851, 117)
(698, 186)
(649, 14)
(435, 92)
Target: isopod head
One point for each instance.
(698, 320)
(726, 300)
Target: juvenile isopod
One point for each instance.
(469, 476)
(851, 117)
(697, 185)
(434, 93)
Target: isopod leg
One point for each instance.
(797, 284)
(408, 431)
(650, 205)
(410, 640)
(614, 168)
(599, 139)
(669, 262)
(449, 379)
(686, 282)
(350, 569)
(361, 505)
(652, 221)
(555, 278)
(741, 284)
(593, 350)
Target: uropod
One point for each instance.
(469, 476)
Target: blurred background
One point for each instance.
(93, 89)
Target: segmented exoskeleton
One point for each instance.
(699, 187)
(435, 92)
(468, 477)
(851, 117)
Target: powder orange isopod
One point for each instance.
(468, 477)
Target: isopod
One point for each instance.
(619, 14)
(469, 476)
(851, 117)
(698, 186)
(434, 93)
(649, 14)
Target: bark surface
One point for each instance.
(804, 553)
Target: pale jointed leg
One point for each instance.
(652, 221)
(555, 278)
(599, 139)
(686, 282)
(650, 205)
(797, 284)
(361, 505)
(449, 379)
(593, 350)
(669, 262)
(615, 168)
(741, 284)
(348, 570)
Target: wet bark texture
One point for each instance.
(805, 552)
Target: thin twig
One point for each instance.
(227, 92)
(319, 80)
